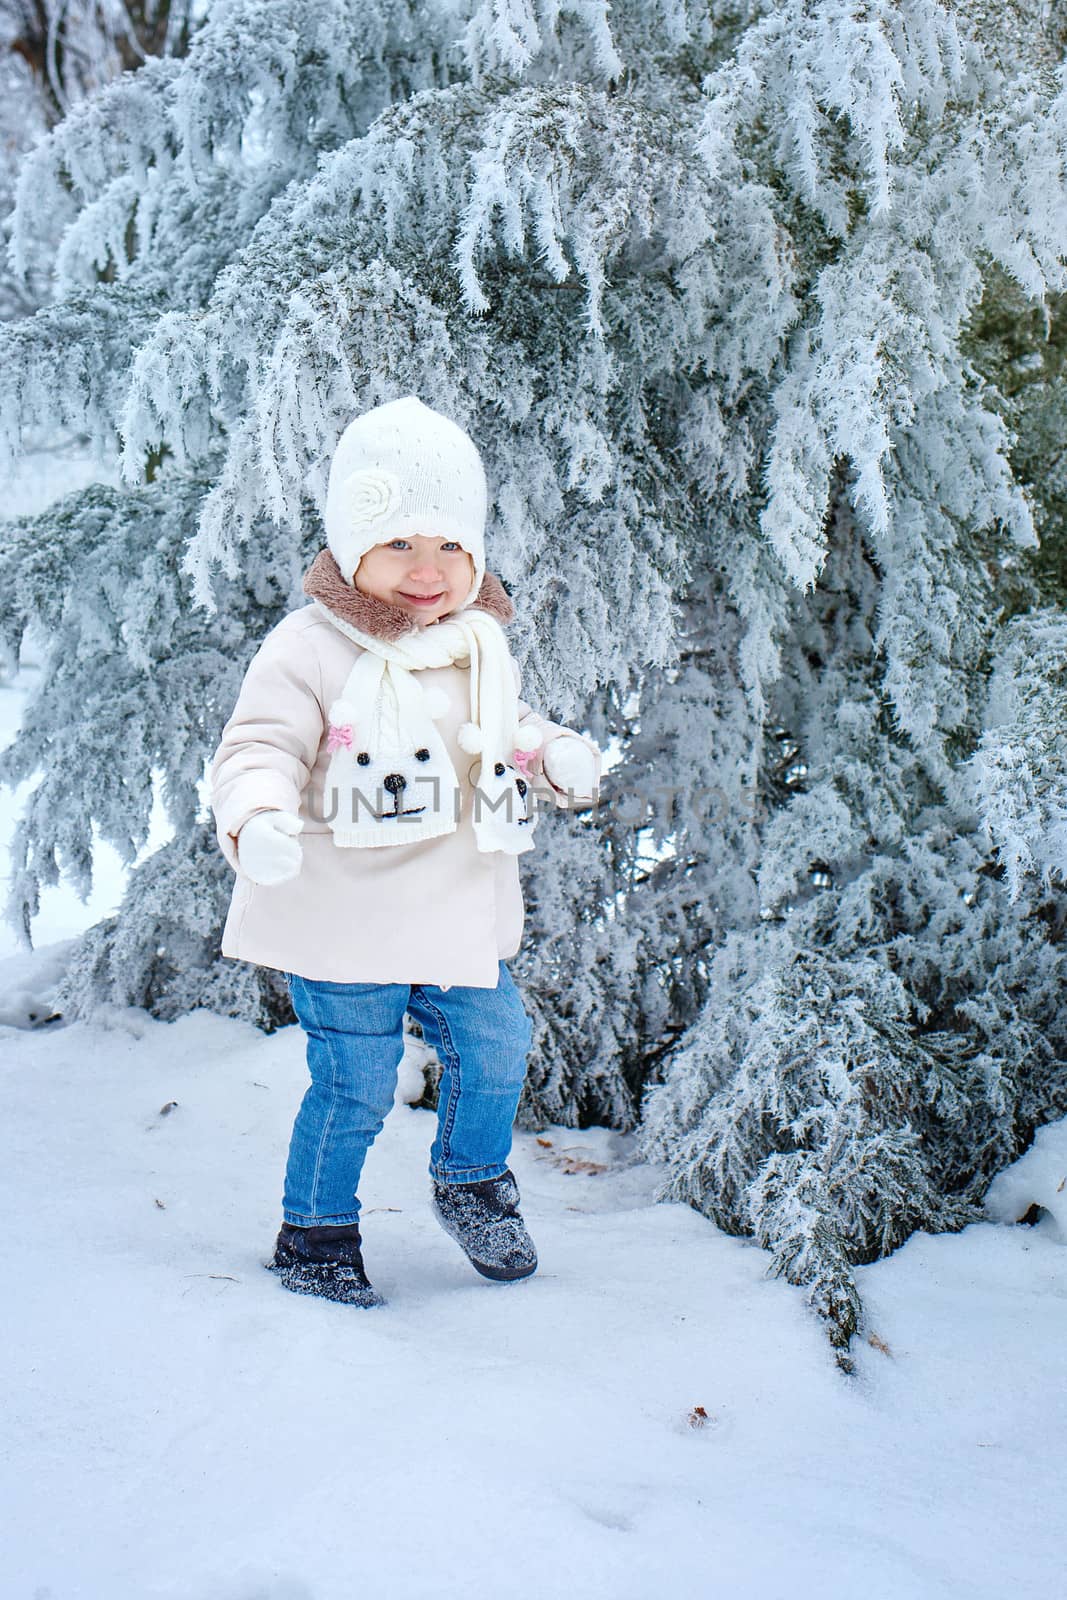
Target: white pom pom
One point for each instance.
(437, 703)
(529, 739)
(343, 712)
(470, 738)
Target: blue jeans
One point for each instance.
(355, 1042)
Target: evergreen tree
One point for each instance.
(54, 53)
(730, 297)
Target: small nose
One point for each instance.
(395, 782)
(425, 567)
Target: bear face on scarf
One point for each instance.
(391, 779)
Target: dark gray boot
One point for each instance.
(484, 1220)
(326, 1261)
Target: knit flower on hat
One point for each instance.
(371, 496)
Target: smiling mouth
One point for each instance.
(423, 599)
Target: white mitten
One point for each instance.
(570, 764)
(266, 849)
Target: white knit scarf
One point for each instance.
(391, 779)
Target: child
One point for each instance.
(381, 723)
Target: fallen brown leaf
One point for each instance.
(573, 1162)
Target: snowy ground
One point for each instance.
(179, 1427)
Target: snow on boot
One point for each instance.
(326, 1261)
(484, 1220)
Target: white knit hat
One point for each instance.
(401, 469)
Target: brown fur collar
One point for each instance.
(323, 582)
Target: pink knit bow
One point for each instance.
(339, 734)
(522, 759)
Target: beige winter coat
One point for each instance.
(439, 911)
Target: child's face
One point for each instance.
(427, 577)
